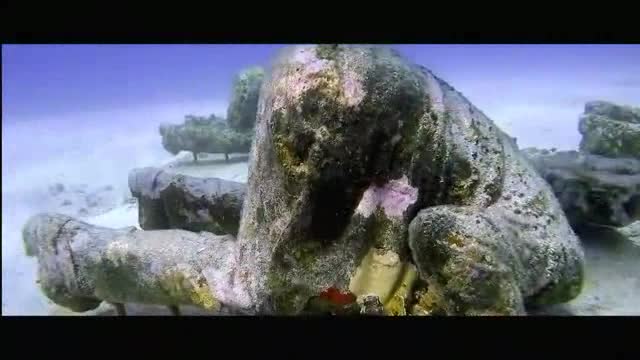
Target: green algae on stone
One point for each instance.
(330, 154)
(199, 134)
(491, 291)
(463, 179)
(428, 301)
(180, 208)
(305, 253)
(561, 291)
(610, 110)
(185, 288)
(115, 278)
(328, 52)
(168, 200)
(474, 270)
(609, 137)
(241, 114)
(538, 204)
(60, 295)
(388, 233)
(90, 264)
(287, 298)
(338, 121)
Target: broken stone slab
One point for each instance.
(80, 265)
(173, 201)
(592, 189)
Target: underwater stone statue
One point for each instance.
(593, 189)
(175, 201)
(600, 184)
(374, 187)
(213, 134)
(204, 135)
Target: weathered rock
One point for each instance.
(80, 265)
(368, 177)
(351, 143)
(173, 201)
(610, 130)
(241, 114)
(592, 189)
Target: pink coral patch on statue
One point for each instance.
(394, 197)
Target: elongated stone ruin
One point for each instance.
(174, 201)
(374, 187)
(81, 265)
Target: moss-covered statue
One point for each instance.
(600, 183)
(374, 188)
(201, 134)
(610, 130)
(241, 114)
(212, 134)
